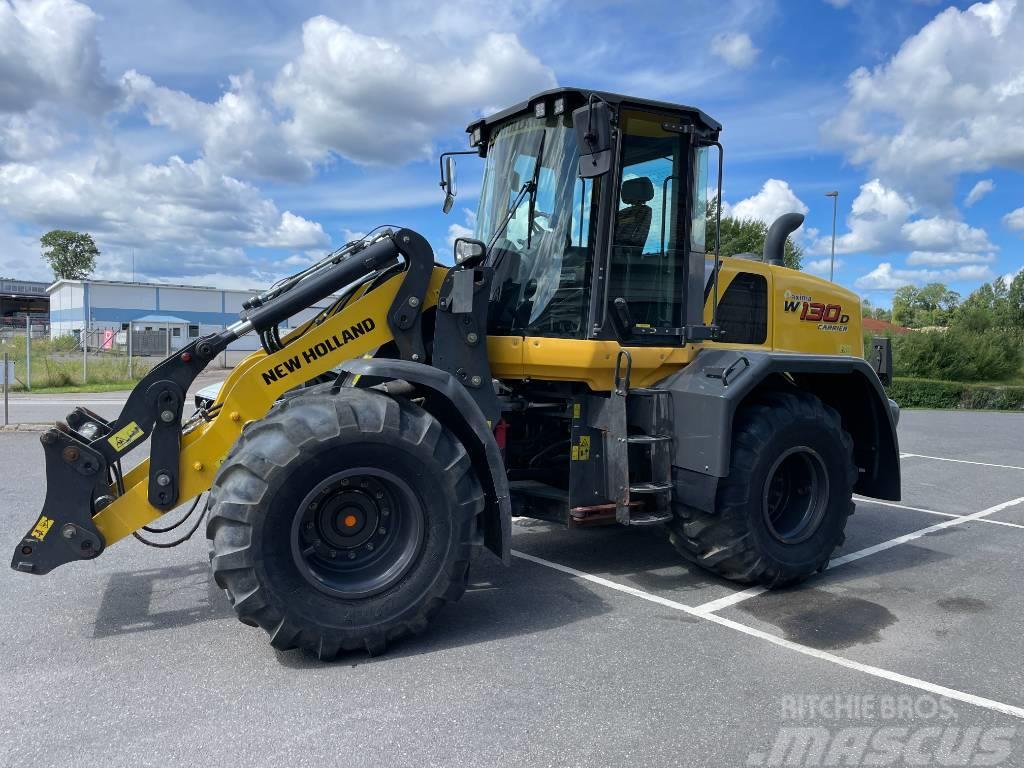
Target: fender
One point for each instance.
(448, 401)
(707, 393)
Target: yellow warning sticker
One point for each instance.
(42, 528)
(584, 447)
(575, 453)
(126, 436)
(575, 410)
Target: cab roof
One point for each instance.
(577, 97)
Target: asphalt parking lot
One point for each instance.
(597, 647)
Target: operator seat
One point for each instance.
(633, 224)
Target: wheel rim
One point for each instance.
(795, 495)
(358, 532)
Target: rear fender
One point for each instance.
(707, 394)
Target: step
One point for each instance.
(648, 439)
(649, 518)
(650, 487)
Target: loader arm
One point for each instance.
(89, 504)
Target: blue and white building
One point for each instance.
(184, 312)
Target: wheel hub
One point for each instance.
(795, 496)
(357, 532)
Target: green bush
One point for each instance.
(926, 393)
(957, 355)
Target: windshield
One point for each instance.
(542, 262)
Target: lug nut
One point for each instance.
(380, 494)
(413, 301)
(385, 512)
(472, 338)
(369, 547)
(167, 417)
(475, 381)
(351, 555)
(163, 479)
(382, 531)
(334, 553)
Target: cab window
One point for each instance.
(651, 239)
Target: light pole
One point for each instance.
(835, 207)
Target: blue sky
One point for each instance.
(227, 143)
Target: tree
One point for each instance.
(934, 304)
(71, 255)
(746, 236)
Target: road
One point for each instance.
(46, 409)
(597, 647)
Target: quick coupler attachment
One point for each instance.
(76, 484)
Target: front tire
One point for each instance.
(343, 521)
(783, 508)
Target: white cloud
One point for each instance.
(238, 132)
(735, 48)
(169, 209)
(936, 259)
(775, 198)
(881, 221)
(978, 191)
(821, 266)
(49, 53)
(456, 230)
(375, 100)
(1015, 219)
(949, 101)
(885, 278)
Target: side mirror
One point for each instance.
(468, 252)
(593, 124)
(448, 183)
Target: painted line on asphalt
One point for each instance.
(738, 597)
(960, 461)
(885, 674)
(933, 512)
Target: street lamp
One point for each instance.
(835, 206)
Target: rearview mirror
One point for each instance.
(448, 183)
(593, 124)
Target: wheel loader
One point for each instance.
(589, 360)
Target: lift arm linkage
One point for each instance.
(90, 504)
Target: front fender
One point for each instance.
(449, 402)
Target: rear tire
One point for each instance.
(343, 522)
(782, 510)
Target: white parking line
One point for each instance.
(738, 597)
(885, 674)
(959, 461)
(933, 512)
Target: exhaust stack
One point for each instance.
(775, 240)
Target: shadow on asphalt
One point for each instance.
(160, 598)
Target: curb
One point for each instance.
(25, 427)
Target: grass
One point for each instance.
(57, 367)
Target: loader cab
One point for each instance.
(595, 250)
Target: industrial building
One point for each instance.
(162, 317)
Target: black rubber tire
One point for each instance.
(736, 541)
(279, 459)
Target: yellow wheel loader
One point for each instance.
(587, 361)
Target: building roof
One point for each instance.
(883, 326)
(129, 284)
(160, 319)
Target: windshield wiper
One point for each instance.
(533, 190)
(508, 214)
